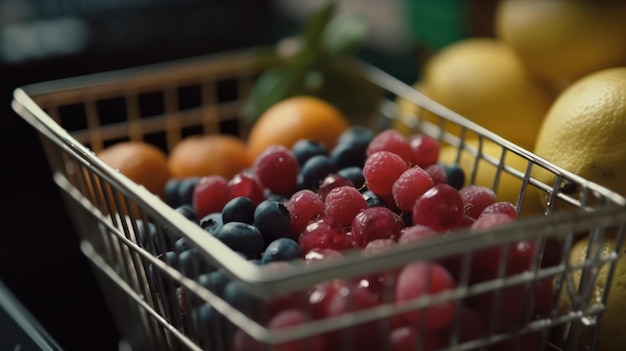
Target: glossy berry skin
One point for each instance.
(440, 208)
(437, 173)
(424, 150)
(371, 198)
(405, 338)
(358, 135)
(324, 233)
(390, 140)
(243, 238)
(476, 198)
(212, 222)
(282, 249)
(346, 155)
(411, 184)
(331, 182)
(273, 220)
(455, 175)
(420, 279)
(210, 195)
(304, 149)
(354, 175)
(247, 185)
(188, 212)
(375, 223)
(277, 169)
(315, 170)
(381, 170)
(303, 206)
(239, 209)
(503, 207)
(343, 204)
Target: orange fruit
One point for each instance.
(295, 118)
(141, 162)
(209, 154)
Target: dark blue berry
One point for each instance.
(185, 190)
(239, 209)
(372, 198)
(152, 239)
(315, 170)
(189, 212)
(455, 175)
(282, 249)
(171, 192)
(242, 237)
(304, 149)
(182, 245)
(192, 262)
(208, 322)
(358, 135)
(353, 174)
(348, 155)
(212, 222)
(237, 294)
(273, 219)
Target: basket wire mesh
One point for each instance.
(157, 268)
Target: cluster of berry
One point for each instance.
(372, 192)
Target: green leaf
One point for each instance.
(314, 30)
(344, 35)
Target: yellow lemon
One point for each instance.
(584, 130)
(611, 336)
(508, 186)
(564, 39)
(484, 80)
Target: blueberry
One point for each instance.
(212, 222)
(192, 263)
(171, 192)
(455, 175)
(354, 174)
(372, 198)
(185, 190)
(237, 294)
(151, 238)
(239, 209)
(242, 237)
(359, 136)
(273, 219)
(315, 170)
(188, 212)
(215, 282)
(282, 249)
(304, 149)
(159, 279)
(181, 245)
(208, 323)
(348, 155)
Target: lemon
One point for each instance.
(611, 336)
(484, 80)
(508, 186)
(564, 39)
(584, 130)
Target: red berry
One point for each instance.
(322, 255)
(393, 141)
(277, 169)
(331, 182)
(440, 208)
(303, 206)
(543, 294)
(504, 207)
(416, 233)
(437, 173)
(421, 279)
(375, 223)
(381, 170)
(378, 245)
(324, 233)
(424, 150)
(344, 203)
(210, 195)
(476, 198)
(509, 311)
(247, 185)
(411, 184)
(406, 338)
(470, 326)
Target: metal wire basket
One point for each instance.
(160, 293)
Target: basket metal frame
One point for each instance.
(109, 233)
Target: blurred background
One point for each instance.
(41, 40)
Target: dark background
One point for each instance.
(40, 261)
